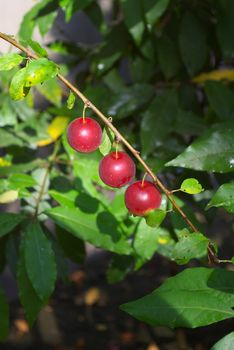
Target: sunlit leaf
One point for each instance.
(191, 186)
(155, 217)
(18, 90)
(100, 229)
(51, 90)
(226, 343)
(190, 246)
(211, 152)
(107, 141)
(10, 61)
(71, 100)
(38, 71)
(37, 48)
(193, 298)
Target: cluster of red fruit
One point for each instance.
(116, 169)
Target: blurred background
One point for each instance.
(164, 72)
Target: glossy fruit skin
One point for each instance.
(142, 197)
(117, 171)
(84, 135)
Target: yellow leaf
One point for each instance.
(4, 162)
(55, 129)
(8, 196)
(223, 74)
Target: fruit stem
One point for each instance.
(84, 110)
(116, 150)
(143, 179)
(211, 255)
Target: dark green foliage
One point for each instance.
(146, 72)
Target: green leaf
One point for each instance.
(155, 217)
(221, 99)
(70, 7)
(158, 121)
(134, 18)
(37, 48)
(72, 246)
(12, 250)
(107, 140)
(225, 26)
(71, 100)
(191, 186)
(42, 14)
(226, 343)
(51, 90)
(62, 264)
(168, 56)
(190, 246)
(86, 168)
(39, 260)
(189, 123)
(4, 319)
(10, 61)
(211, 152)
(224, 197)
(31, 302)
(130, 100)
(118, 268)
(22, 180)
(193, 298)
(22, 109)
(99, 229)
(145, 242)
(8, 139)
(38, 71)
(8, 221)
(154, 10)
(18, 90)
(8, 114)
(67, 199)
(192, 42)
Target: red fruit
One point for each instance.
(84, 135)
(117, 169)
(142, 197)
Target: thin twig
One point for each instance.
(211, 255)
(42, 191)
(45, 177)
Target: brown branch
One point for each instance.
(120, 137)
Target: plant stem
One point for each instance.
(45, 177)
(42, 190)
(120, 137)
